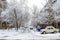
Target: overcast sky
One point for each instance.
(31, 3)
(57, 5)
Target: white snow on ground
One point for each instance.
(13, 34)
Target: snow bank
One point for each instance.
(13, 34)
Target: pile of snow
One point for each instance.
(47, 36)
(13, 34)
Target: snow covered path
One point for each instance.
(13, 34)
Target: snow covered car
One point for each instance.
(49, 29)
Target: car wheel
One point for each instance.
(43, 32)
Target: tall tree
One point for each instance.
(48, 8)
(50, 11)
(16, 19)
(2, 7)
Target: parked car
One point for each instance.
(49, 29)
(39, 28)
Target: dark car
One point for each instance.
(39, 28)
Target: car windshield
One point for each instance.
(51, 28)
(48, 28)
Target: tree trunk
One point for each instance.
(15, 14)
(0, 19)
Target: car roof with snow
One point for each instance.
(49, 27)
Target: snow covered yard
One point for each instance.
(18, 35)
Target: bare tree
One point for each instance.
(36, 14)
(48, 8)
(2, 7)
(50, 11)
(16, 19)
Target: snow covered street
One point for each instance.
(30, 19)
(13, 34)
